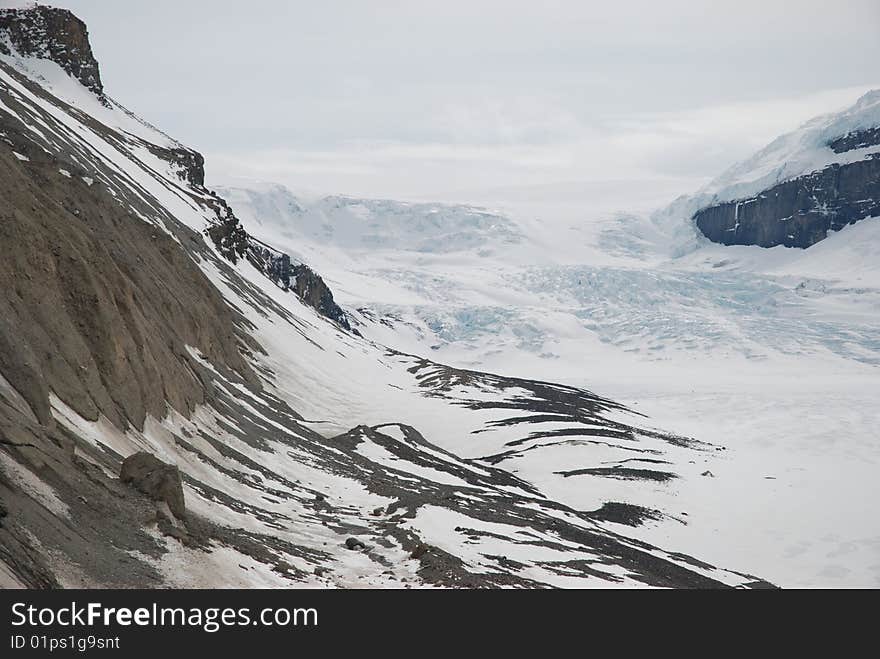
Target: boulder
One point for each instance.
(354, 544)
(156, 479)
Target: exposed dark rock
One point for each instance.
(279, 270)
(311, 289)
(156, 479)
(275, 265)
(190, 164)
(420, 550)
(299, 278)
(857, 139)
(54, 34)
(621, 473)
(354, 544)
(101, 308)
(799, 212)
(170, 530)
(230, 238)
(625, 513)
(235, 243)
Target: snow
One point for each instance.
(772, 354)
(17, 4)
(119, 159)
(799, 152)
(383, 456)
(62, 85)
(373, 224)
(791, 155)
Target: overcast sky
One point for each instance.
(453, 99)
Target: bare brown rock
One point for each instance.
(100, 306)
(156, 479)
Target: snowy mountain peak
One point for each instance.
(803, 185)
(33, 30)
(807, 149)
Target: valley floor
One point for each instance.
(771, 354)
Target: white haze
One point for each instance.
(481, 100)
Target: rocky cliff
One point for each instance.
(235, 243)
(804, 185)
(54, 34)
(799, 212)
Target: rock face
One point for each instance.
(229, 237)
(101, 307)
(190, 164)
(311, 289)
(54, 34)
(235, 243)
(800, 212)
(857, 139)
(156, 479)
(816, 179)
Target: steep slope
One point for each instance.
(140, 318)
(53, 34)
(802, 186)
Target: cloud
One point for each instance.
(535, 146)
(393, 98)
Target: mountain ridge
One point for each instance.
(291, 435)
(800, 187)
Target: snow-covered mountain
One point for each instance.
(184, 403)
(805, 184)
(373, 224)
(771, 353)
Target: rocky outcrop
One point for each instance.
(235, 243)
(311, 289)
(299, 278)
(858, 139)
(54, 34)
(229, 237)
(159, 481)
(190, 164)
(801, 212)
